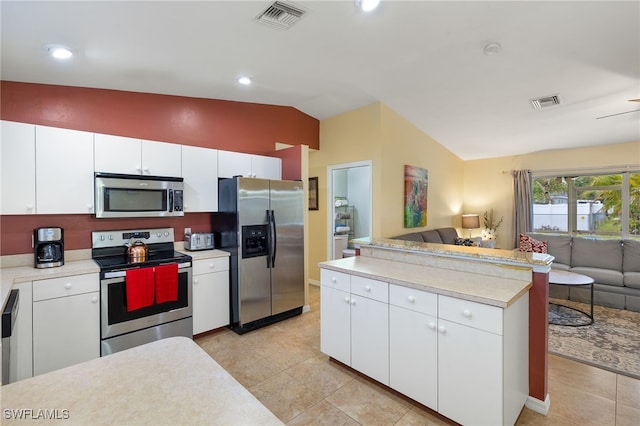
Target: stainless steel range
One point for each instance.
(143, 297)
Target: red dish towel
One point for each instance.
(166, 283)
(139, 288)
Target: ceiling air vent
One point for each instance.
(545, 102)
(281, 15)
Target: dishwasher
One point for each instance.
(9, 344)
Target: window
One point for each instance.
(602, 205)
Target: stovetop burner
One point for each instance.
(109, 248)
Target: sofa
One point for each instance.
(444, 236)
(613, 264)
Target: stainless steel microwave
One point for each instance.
(120, 195)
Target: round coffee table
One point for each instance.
(571, 279)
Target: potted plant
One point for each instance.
(490, 227)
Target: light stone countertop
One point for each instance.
(480, 253)
(170, 381)
(486, 289)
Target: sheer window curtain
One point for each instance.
(521, 203)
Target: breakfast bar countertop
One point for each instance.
(169, 381)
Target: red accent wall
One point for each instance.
(233, 126)
(211, 123)
(291, 162)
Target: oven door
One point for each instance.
(116, 320)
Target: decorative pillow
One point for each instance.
(532, 245)
(465, 242)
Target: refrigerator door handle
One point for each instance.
(269, 250)
(274, 239)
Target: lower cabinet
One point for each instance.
(66, 322)
(210, 294)
(466, 360)
(355, 324)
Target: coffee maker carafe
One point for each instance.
(48, 244)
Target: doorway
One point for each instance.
(349, 204)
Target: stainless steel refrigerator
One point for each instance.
(267, 268)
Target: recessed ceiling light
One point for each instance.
(367, 5)
(59, 51)
(244, 80)
(492, 49)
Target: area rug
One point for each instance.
(612, 342)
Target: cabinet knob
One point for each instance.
(90, 208)
(29, 207)
(466, 313)
(367, 287)
(346, 299)
(67, 286)
(442, 329)
(353, 301)
(146, 171)
(411, 299)
(94, 299)
(212, 266)
(431, 325)
(334, 280)
(195, 281)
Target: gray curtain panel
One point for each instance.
(521, 203)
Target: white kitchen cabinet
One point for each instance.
(64, 165)
(118, 154)
(18, 168)
(466, 360)
(249, 165)
(66, 322)
(23, 331)
(355, 322)
(200, 173)
(266, 167)
(210, 294)
(413, 344)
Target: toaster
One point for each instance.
(198, 241)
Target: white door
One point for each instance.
(117, 154)
(413, 355)
(18, 168)
(370, 337)
(335, 329)
(66, 331)
(200, 173)
(161, 159)
(64, 172)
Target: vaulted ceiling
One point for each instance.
(424, 59)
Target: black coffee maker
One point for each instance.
(48, 244)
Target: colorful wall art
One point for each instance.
(415, 196)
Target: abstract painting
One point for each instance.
(415, 196)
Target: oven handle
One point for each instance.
(117, 274)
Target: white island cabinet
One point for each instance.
(355, 323)
(66, 322)
(465, 359)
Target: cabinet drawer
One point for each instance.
(65, 286)
(334, 279)
(372, 289)
(416, 300)
(472, 314)
(206, 266)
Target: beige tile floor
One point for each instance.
(283, 367)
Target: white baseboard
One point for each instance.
(534, 404)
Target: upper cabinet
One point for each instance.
(249, 165)
(118, 154)
(200, 173)
(18, 171)
(64, 160)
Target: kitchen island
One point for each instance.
(448, 326)
(169, 381)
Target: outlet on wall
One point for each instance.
(187, 231)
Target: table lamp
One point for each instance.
(470, 221)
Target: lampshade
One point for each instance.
(470, 221)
